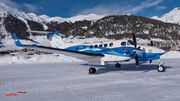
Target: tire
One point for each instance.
(160, 68)
(118, 65)
(92, 70)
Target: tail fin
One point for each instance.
(16, 40)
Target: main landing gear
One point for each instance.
(92, 70)
(160, 68)
(118, 65)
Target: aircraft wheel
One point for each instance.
(160, 68)
(118, 65)
(92, 70)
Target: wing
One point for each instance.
(76, 54)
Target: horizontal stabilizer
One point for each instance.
(45, 32)
(41, 32)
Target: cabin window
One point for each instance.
(128, 43)
(91, 46)
(123, 43)
(95, 46)
(77, 48)
(111, 44)
(105, 45)
(100, 46)
(84, 47)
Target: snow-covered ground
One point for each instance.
(70, 81)
(57, 77)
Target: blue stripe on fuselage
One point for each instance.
(118, 51)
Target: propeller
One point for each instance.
(136, 51)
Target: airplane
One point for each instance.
(99, 53)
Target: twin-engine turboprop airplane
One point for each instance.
(99, 53)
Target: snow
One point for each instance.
(10, 45)
(171, 17)
(31, 59)
(171, 54)
(71, 81)
(74, 18)
(86, 17)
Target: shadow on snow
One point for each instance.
(126, 67)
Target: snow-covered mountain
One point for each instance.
(13, 20)
(5, 10)
(171, 17)
(72, 19)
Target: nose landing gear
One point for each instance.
(160, 68)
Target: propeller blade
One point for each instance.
(151, 43)
(134, 41)
(144, 52)
(137, 61)
(132, 55)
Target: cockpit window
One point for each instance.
(123, 43)
(131, 42)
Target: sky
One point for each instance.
(69, 8)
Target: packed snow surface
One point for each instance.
(71, 82)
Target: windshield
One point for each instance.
(131, 42)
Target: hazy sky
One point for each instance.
(69, 8)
